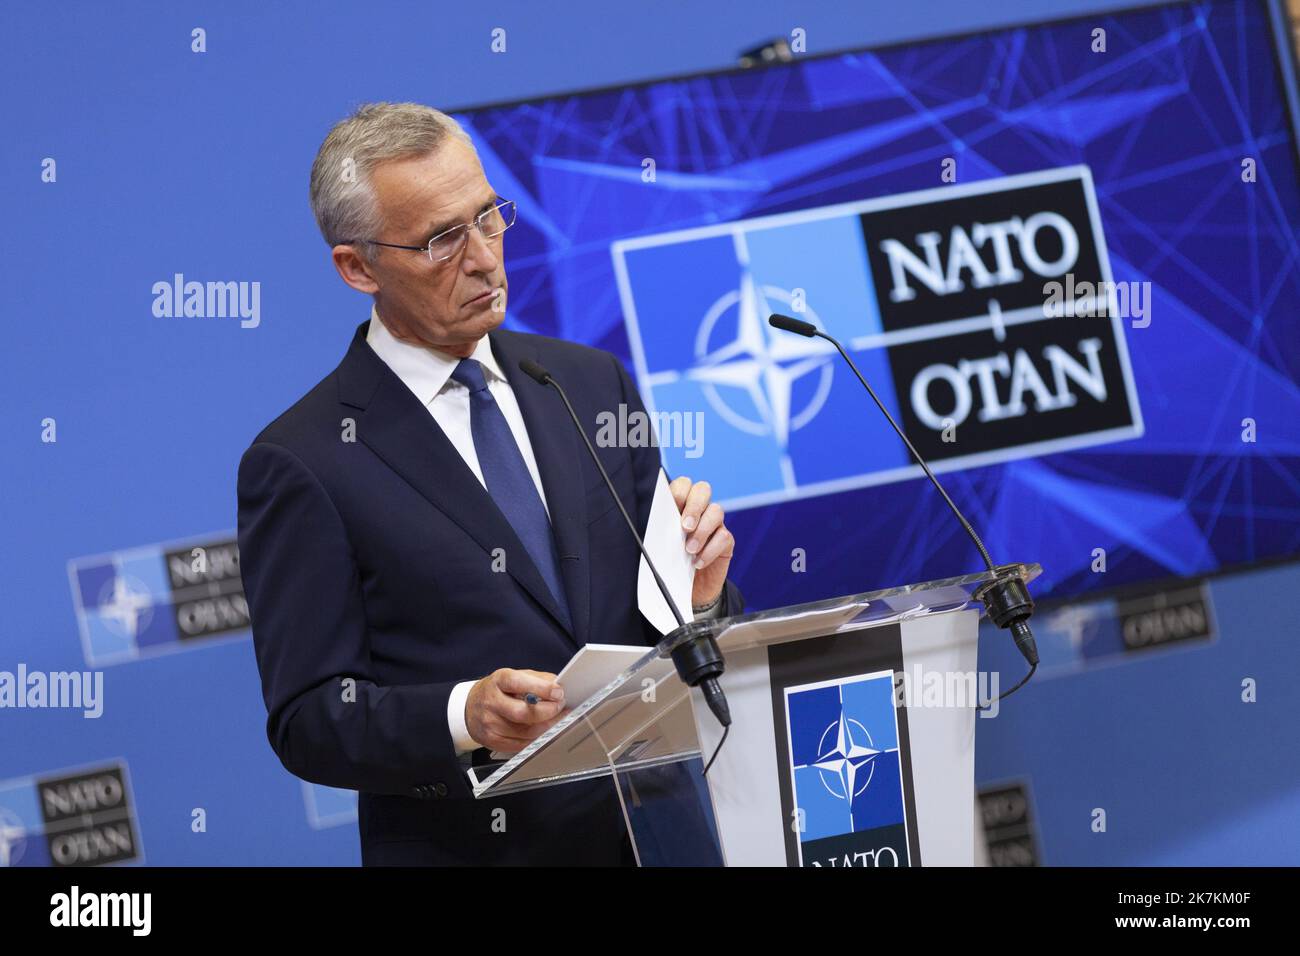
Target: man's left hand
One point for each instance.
(708, 539)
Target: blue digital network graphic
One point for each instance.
(1162, 122)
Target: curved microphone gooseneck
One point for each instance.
(698, 661)
(1007, 598)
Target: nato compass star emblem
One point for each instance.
(13, 839)
(846, 758)
(1077, 622)
(761, 361)
(129, 608)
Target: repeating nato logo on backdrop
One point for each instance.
(846, 772)
(939, 295)
(150, 600)
(71, 817)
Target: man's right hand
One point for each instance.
(499, 718)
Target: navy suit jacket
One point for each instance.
(368, 566)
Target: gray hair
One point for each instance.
(342, 196)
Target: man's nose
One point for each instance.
(479, 256)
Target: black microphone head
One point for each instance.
(787, 324)
(534, 371)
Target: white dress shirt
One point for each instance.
(427, 373)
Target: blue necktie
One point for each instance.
(508, 480)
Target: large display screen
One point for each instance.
(1065, 256)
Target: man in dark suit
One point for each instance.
(423, 537)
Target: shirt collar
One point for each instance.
(425, 371)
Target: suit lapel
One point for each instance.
(392, 423)
(559, 452)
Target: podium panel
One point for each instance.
(838, 754)
(857, 780)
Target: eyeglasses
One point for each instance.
(448, 243)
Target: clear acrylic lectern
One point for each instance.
(851, 744)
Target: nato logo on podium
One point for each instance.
(846, 772)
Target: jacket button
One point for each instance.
(440, 789)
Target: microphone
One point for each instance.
(1006, 599)
(698, 661)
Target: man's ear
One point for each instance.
(353, 269)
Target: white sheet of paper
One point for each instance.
(594, 666)
(597, 664)
(665, 539)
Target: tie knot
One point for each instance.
(469, 372)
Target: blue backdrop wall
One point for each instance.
(168, 161)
